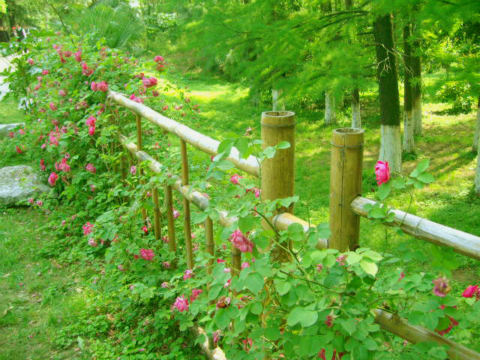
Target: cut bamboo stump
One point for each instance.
(210, 245)
(345, 185)
(278, 173)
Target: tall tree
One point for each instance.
(408, 120)
(390, 147)
(416, 65)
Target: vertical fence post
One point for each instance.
(156, 213)
(186, 206)
(278, 173)
(345, 186)
(210, 244)
(170, 220)
(138, 120)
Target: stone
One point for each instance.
(6, 128)
(18, 184)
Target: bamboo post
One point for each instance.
(236, 260)
(210, 244)
(170, 220)
(156, 214)
(186, 206)
(138, 120)
(278, 173)
(345, 186)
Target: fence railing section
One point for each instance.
(277, 181)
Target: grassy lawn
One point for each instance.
(39, 296)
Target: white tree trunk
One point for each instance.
(476, 137)
(277, 102)
(477, 176)
(391, 147)
(408, 132)
(417, 114)
(330, 115)
(356, 115)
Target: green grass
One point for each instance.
(38, 295)
(9, 112)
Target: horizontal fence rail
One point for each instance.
(346, 202)
(202, 142)
(459, 241)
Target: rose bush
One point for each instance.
(319, 305)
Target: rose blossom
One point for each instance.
(195, 294)
(181, 304)
(147, 254)
(133, 169)
(382, 172)
(87, 228)
(52, 179)
(92, 242)
(39, 202)
(176, 213)
(441, 287)
(188, 274)
(241, 242)
(470, 291)
(90, 168)
(234, 179)
(164, 285)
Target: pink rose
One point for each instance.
(91, 120)
(90, 168)
(382, 172)
(91, 130)
(241, 242)
(78, 56)
(30, 61)
(102, 86)
(176, 214)
(245, 265)
(145, 229)
(470, 291)
(195, 294)
(181, 304)
(165, 285)
(147, 254)
(234, 179)
(52, 179)
(87, 228)
(39, 203)
(92, 242)
(158, 59)
(62, 92)
(45, 72)
(441, 287)
(188, 274)
(18, 150)
(133, 169)
(149, 82)
(42, 165)
(53, 107)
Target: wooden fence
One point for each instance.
(277, 181)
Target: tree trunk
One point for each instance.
(417, 88)
(356, 116)
(330, 114)
(408, 123)
(277, 101)
(477, 176)
(476, 138)
(390, 148)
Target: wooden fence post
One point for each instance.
(170, 220)
(278, 173)
(186, 206)
(345, 186)
(156, 214)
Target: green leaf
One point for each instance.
(225, 165)
(242, 147)
(353, 258)
(269, 152)
(283, 287)
(421, 167)
(426, 178)
(383, 191)
(302, 316)
(225, 146)
(246, 224)
(283, 145)
(369, 267)
(349, 325)
(254, 282)
(256, 308)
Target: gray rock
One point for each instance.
(6, 128)
(18, 183)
